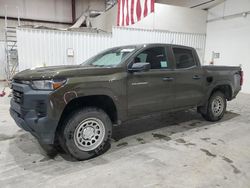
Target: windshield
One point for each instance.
(110, 58)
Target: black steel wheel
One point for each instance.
(86, 133)
(216, 107)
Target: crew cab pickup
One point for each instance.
(76, 106)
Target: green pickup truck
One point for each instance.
(77, 106)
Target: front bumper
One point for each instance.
(31, 112)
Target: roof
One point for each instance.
(150, 44)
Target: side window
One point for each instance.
(184, 58)
(155, 56)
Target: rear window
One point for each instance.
(184, 58)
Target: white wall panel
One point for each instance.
(230, 37)
(165, 17)
(49, 47)
(124, 36)
(38, 47)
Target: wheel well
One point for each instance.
(225, 89)
(100, 101)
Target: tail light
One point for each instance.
(241, 78)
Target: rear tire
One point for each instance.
(86, 133)
(215, 108)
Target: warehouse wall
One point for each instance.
(2, 60)
(14, 24)
(179, 19)
(173, 18)
(230, 37)
(49, 10)
(38, 47)
(83, 5)
(106, 20)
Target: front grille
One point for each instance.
(17, 96)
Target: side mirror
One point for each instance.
(140, 67)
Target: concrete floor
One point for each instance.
(169, 150)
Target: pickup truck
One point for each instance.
(76, 106)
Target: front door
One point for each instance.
(151, 91)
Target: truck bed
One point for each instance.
(230, 75)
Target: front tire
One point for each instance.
(216, 107)
(49, 149)
(86, 133)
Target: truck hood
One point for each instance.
(63, 72)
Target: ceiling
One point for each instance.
(199, 4)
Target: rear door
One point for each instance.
(189, 88)
(151, 91)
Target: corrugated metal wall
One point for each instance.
(123, 36)
(37, 47)
(2, 61)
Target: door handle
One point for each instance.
(196, 77)
(168, 79)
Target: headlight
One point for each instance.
(47, 84)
